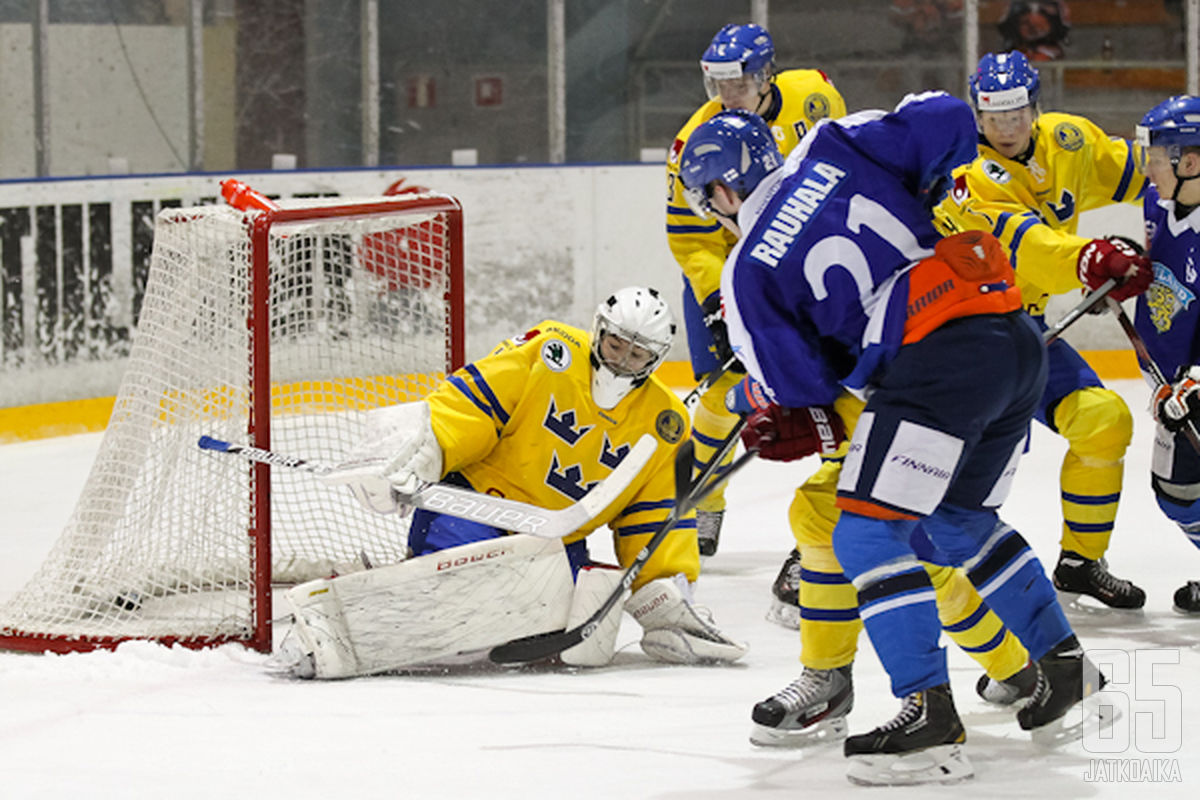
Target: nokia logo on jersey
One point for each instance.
(804, 201)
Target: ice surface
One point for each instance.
(146, 721)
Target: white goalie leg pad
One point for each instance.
(434, 609)
(594, 585)
(677, 631)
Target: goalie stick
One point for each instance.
(687, 494)
(1154, 375)
(1090, 301)
(503, 513)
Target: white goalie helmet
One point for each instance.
(631, 336)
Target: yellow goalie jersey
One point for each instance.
(520, 423)
(1032, 203)
(801, 97)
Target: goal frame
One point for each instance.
(259, 417)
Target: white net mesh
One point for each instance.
(160, 544)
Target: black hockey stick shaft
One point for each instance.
(687, 494)
(707, 382)
(1090, 301)
(1155, 376)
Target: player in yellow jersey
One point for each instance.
(540, 420)
(1036, 173)
(739, 73)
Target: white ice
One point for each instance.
(147, 721)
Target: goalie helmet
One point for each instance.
(631, 334)
(1004, 82)
(734, 147)
(738, 51)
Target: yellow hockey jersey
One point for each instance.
(520, 423)
(1032, 204)
(802, 97)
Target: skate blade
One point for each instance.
(783, 614)
(827, 730)
(1086, 605)
(1093, 715)
(945, 764)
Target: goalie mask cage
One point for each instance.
(278, 328)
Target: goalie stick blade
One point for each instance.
(537, 647)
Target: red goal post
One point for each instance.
(279, 325)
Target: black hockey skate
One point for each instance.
(1011, 689)
(1065, 677)
(1075, 575)
(1187, 598)
(708, 530)
(785, 593)
(922, 744)
(808, 710)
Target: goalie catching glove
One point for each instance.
(1174, 405)
(398, 454)
(1118, 258)
(676, 631)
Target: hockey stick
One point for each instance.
(510, 515)
(707, 383)
(687, 494)
(1154, 375)
(1090, 300)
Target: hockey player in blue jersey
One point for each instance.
(1168, 318)
(840, 281)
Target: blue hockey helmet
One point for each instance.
(1174, 121)
(1004, 82)
(738, 51)
(736, 148)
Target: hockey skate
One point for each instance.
(922, 744)
(708, 530)
(1008, 691)
(809, 710)
(1064, 678)
(1187, 598)
(785, 600)
(1076, 576)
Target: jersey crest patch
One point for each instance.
(816, 106)
(1068, 136)
(556, 356)
(1166, 298)
(997, 173)
(669, 426)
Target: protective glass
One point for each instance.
(699, 200)
(739, 92)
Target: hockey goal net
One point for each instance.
(277, 327)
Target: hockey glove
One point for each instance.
(1174, 405)
(676, 631)
(398, 454)
(787, 434)
(714, 321)
(1119, 258)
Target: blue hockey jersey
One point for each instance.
(816, 291)
(1168, 317)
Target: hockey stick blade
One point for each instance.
(543, 645)
(500, 512)
(1090, 301)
